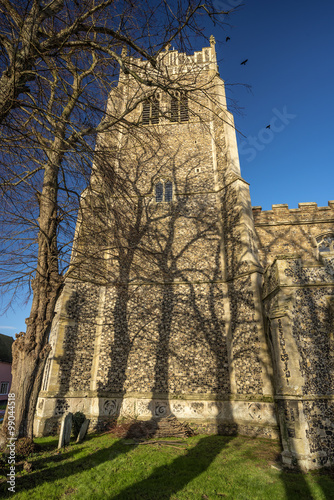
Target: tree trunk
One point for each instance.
(30, 349)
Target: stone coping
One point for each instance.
(293, 222)
(150, 395)
(188, 397)
(321, 397)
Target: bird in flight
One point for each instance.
(244, 62)
(268, 126)
(227, 38)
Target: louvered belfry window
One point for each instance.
(146, 112)
(154, 111)
(184, 111)
(151, 111)
(179, 110)
(174, 109)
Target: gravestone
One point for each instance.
(65, 430)
(83, 430)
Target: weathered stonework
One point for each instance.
(297, 301)
(167, 308)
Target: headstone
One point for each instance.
(65, 430)
(83, 430)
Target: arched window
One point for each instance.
(164, 192)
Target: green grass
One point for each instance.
(207, 467)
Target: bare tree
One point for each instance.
(70, 54)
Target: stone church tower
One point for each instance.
(166, 307)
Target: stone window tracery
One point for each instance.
(325, 243)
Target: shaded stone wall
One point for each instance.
(169, 351)
(76, 362)
(298, 301)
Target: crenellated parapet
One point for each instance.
(304, 214)
(173, 62)
(292, 231)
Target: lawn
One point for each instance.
(200, 467)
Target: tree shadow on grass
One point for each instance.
(173, 477)
(43, 473)
(296, 485)
(167, 480)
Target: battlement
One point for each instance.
(282, 214)
(178, 62)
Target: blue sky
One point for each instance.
(289, 46)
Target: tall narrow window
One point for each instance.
(151, 110)
(174, 109)
(184, 111)
(154, 111)
(46, 375)
(179, 111)
(168, 191)
(159, 192)
(146, 112)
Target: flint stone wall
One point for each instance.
(299, 300)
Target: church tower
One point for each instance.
(161, 311)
